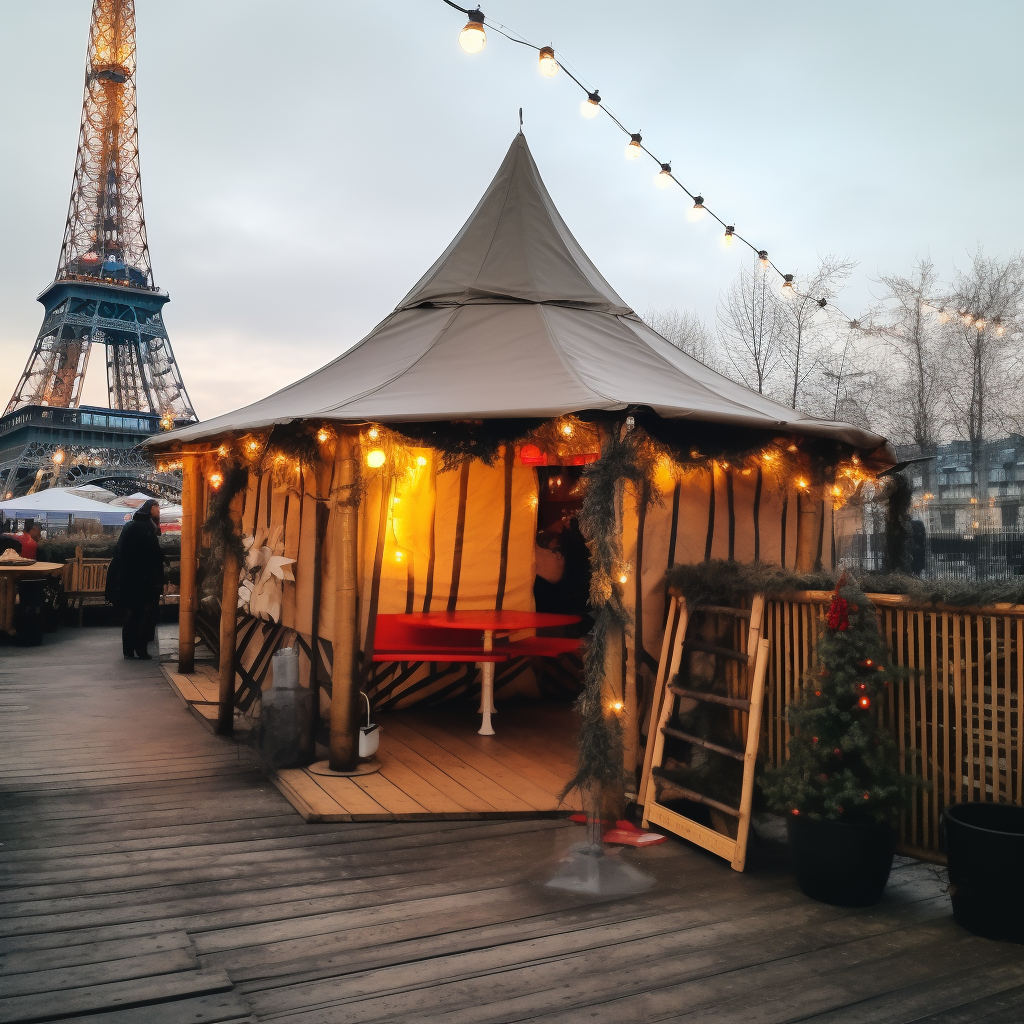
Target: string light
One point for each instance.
(663, 179)
(616, 706)
(420, 461)
(322, 435)
(373, 433)
(376, 459)
(216, 479)
(473, 38)
(589, 108)
(58, 456)
(787, 287)
(222, 450)
(548, 64)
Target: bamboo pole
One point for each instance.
(344, 746)
(191, 525)
(228, 625)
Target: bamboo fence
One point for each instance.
(958, 712)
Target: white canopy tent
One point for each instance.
(61, 502)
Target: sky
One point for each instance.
(304, 163)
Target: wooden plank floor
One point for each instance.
(149, 873)
(435, 765)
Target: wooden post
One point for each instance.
(228, 624)
(191, 525)
(344, 751)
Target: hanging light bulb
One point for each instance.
(420, 461)
(216, 479)
(633, 149)
(763, 258)
(58, 456)
(664, 177)
(730, 231)
(980, 323)
(1000, 329)
(373, 433)
(697, 210)
(591, 105)
(473, 38)
(322, 435)
(548, 64)
(376, 459)
(787, 287)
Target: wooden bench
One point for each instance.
(85, 580)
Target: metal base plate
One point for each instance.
(363, 768)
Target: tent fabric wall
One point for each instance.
(465, 538)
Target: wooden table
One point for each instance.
(9, 577)
(490, 624)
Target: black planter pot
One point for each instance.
(985, 847)
(840, 863)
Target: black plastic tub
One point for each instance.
(985, 847)
(840, 863)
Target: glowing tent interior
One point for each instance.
(412, 473)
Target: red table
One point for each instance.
(489, 623)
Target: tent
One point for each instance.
(412, 472)
(61, 502)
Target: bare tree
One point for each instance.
(809, 331)
(911, 376)
(750, 325)
(688, 332)
(983, 382)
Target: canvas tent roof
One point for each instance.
(514, 320)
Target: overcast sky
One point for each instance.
(304, 162)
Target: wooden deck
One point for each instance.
(150, 873)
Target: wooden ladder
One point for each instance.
(671, 685)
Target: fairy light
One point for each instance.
(547, 63)
(473, 38)
(322, 435)
(616, 706)
(376, 459)
(222, 450)
(373, 433)
(567, 429)
(216, 479)
(420, 461)
(58, 456)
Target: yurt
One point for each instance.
(512, 392)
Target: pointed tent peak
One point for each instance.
(515, 247)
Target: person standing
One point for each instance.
(30, 540)
(135, 579)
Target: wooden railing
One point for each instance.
(959, 709)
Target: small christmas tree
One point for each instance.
(843, 766)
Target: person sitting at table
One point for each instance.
(29, 538)
(550, 570)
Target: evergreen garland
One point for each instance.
(223, 537)
(627, 455)
(843, 764)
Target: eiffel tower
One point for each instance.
(102, 294)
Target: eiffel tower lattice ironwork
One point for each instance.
(103, 291)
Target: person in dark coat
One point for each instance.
(135, 578)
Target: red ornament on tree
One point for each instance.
(838, 611)
(865, 702)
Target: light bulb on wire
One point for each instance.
(787, 287)
(763, 258)
(548, 64)
(473, 38)
(591, 105)
(633, 148)
(727, 238)
(697, 210)
(664, 177)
